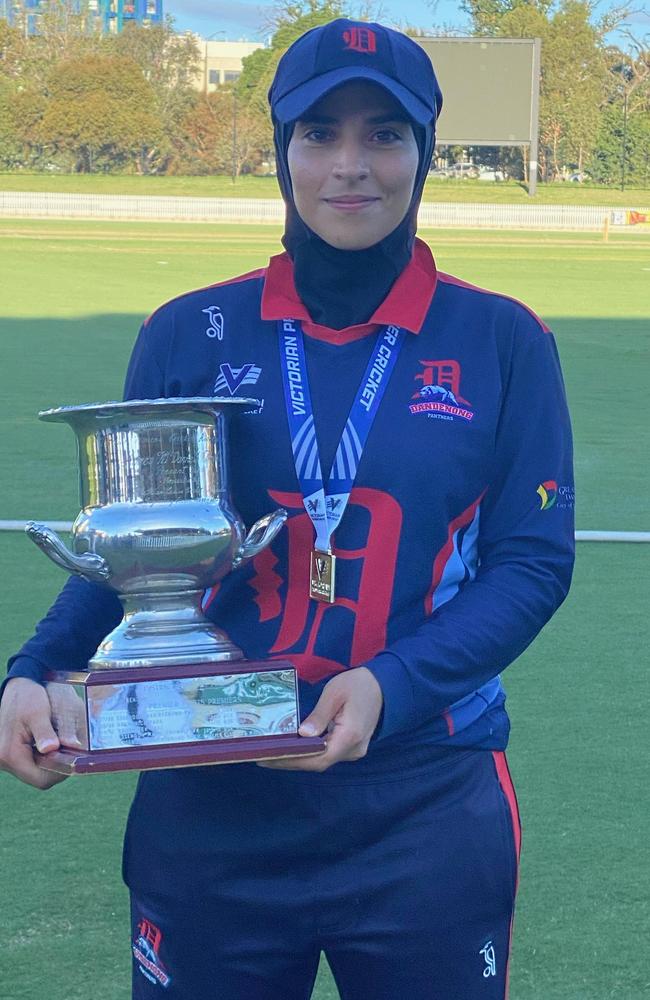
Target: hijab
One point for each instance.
(342, 288)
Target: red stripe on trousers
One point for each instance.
(505, 780)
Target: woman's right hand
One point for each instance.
(25, 724)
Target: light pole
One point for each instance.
(234, 135)
(623, 157)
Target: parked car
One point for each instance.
(488, 174)
(463, 170)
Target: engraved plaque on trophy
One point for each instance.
(165, 688)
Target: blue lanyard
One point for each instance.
(326, 509)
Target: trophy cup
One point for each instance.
(165, 688)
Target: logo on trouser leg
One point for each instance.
(489, 955)
(146, 947)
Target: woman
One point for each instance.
(436, 412)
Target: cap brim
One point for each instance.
(294, 104)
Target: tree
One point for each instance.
(26, 110)
(488, 16)
(13, 46)
(219, 136)
(10, 144)
(101, 110)
(573, 70)
(573, 85)
(170, 65)
(576, 69)
(288, 20)
(67, 29)
(622, 148)
(11, 68)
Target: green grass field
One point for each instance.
(73, 296)
(437, 189)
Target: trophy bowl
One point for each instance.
(158, 526)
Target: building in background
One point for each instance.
(221, 62)
(112, 14)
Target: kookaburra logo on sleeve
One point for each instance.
(215, 318)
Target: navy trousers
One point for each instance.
(403, 874)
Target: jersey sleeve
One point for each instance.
(525, 548)
(84, 613)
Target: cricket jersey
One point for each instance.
(457, 543)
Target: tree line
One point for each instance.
(594, 96)
(75, 100)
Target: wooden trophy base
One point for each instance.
(180, 755)
(189, 715)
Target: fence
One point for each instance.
(581, 536)
(470, 216)
(26, 204)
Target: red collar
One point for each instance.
(406, 304)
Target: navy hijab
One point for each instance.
(342, 288)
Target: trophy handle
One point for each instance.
(261, 534)
(89, 565)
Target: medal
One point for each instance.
(325, 504)
(322, 574)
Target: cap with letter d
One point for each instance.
(335, 53)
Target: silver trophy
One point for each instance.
(165, 688)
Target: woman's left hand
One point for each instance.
(348, 711)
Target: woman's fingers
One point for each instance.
(348, 710)
(25, 723)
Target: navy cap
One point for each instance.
(325, 57)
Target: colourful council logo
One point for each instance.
(548, 493)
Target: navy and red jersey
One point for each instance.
(457, 544)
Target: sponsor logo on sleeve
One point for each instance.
(439, 395)
(547, 492)
(552, 494)
(231, 379)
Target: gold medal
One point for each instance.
(322, 576)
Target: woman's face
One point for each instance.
(353, 162)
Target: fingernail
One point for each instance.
(307, 729)
(46, 746)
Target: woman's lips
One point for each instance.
(351, 203)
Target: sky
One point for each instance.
(245, 19)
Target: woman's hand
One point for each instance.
(348, 711)
(24, 724)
